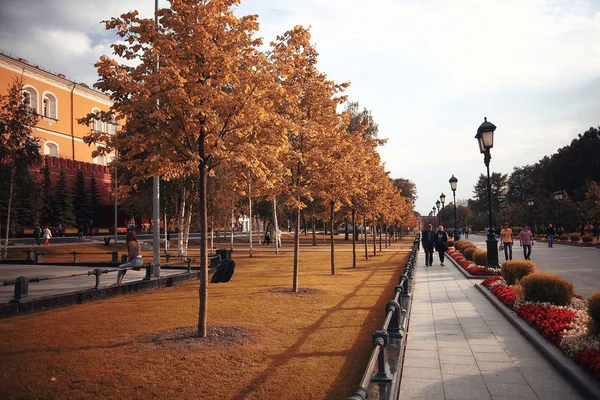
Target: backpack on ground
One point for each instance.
(224, 271)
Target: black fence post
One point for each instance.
(97, 272)
(74, 257)
(115, 257)
(394, 327)
(38, 257)
(381, 338)
(29, 255)
(189, 263)
(21, 289)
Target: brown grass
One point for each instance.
(264, 341)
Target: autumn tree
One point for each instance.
(18, 147)
(309, 106)
(209, 91)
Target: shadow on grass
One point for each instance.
(363, 335)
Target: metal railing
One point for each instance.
(21, 283)
(393, 329)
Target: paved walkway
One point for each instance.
(461, 347)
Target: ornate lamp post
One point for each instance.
(530, 204)
(558, 196)
(443, 199)
(434, 220)
(485, 139)
(437, 204)
(453, 181)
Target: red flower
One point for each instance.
(488, 281)
(550, 321)
(505, 294)
(590, 361)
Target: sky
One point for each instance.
(428, 70)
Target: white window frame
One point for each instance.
(100, 160)
(52, 103)
(97, 124)
(33, 104)
(48, 151)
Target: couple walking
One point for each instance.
(431, 240)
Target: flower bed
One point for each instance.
(565, 326)
(470, 266)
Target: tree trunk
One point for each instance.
(296, 250)
(188, 225)
(353, 240)
(180, 254)
(276, 225)
(346, 228)
(10, 195)
(374, 240)
(202, 317)
(331, 215)
(314, 230)
(212, 235)
(380, 235)
(232, 226)
(250, 218)
(365, 237)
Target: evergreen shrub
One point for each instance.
(587, 239)
(468, 252)
(480, 257)
(574, 237)
(515, 270)
(593, 310)
(547, 287)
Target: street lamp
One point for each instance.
(437, 204)
(530, 204)
(443, 199)
(453, 181)
(485, 139)
(434, 221)
(558, 196)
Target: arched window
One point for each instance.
(112, 127)
(97, 125)
(100, 160)
(51, 149)
(30, 96)
(49, 106)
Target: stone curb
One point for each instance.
(464, 271)
(586, 384)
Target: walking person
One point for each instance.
(428, 240)
(526, 241)
(507, 241)
(37, 234)
(441, 238)
(80, 233)
(550, 233)
(134, 255)
(46, 235)
(278, 237)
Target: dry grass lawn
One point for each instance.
(265, 342)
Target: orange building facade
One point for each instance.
(60, 102)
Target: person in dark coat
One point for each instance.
(428, 240)
(441, 238)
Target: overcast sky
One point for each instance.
(429, 70)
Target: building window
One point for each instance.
(51, 149)
(30, 97)
(112, 127)
(49, 106)
(97, 124)
(100, 160)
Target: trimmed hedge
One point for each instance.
(587, 239)
(594, 310)
(515, 270)
(547, 287)
(480, 257)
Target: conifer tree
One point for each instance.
(63, 202)
(26, 199)
(47, 206)
(94, 203)
(80, 200)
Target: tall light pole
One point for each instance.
(437, 204)
(434, 220)
(453, 181)
(485, 139)
(530, 204)
(558, 196)
(443, 199)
